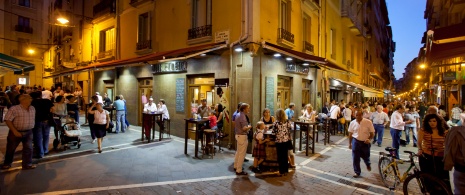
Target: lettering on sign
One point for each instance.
(295, 68)
(170, 67)
(180, 93)
(222, 36)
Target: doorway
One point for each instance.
(283, 95)
(199, 87)
(145, 92)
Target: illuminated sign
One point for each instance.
(170, 67)
(22, 81)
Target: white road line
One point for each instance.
(337, 183)
(349, 179)
(140, 185)
(322, 152)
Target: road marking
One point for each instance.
(322, 152)
(140, 185)
(337, 183)
(349, 179)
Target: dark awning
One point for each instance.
(15, 64)
(446, 50)
(450, 33)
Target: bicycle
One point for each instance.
(391, 176)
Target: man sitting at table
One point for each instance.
(149, 108)
(203, 111)
(162, 109)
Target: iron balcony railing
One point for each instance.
(308, 46)
(198, 32)
(147, 44)
(104, 7)
(24, 29)
(105, 54)
(286, 35)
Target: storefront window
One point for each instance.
(306, 91)
(284, 92)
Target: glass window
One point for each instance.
(201, 13)
(25, 3)
(144, 30)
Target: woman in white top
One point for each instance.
(101, 122)
(60, 106)
(309, 114)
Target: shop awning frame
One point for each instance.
(446, 50)
(15, 64)
(366, 90)
(295, 54)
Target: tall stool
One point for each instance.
(209, 138)
(167, 127)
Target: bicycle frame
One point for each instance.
(396, 168)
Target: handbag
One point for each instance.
(342, 120)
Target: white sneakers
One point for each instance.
(93, 141)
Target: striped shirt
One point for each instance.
(435, 142)
(22, 119)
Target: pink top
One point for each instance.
(212, 120)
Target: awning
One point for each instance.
(446, 50)
(177, 54)
(332, 66)
(367, 91)
(452, 33)
(294, 54)
(15, 64)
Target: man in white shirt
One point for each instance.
(47, 94)
(361, 131)
(380, 119)
(99, 97)
(334, 112)
(397, 126)
(148, 108)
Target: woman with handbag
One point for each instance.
(101, 122)
(282, 129)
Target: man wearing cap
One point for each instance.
(148, 108)
(20, 120)
(120, 113)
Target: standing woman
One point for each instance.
(241, 128)
(282, 128)
(431, 140)
(267, 118)
(90, 118)
(101, 122)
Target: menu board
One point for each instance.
(269, 94)
(180, 93)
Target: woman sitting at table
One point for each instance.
(282, 129)
(309, 114)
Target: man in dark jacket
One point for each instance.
(41, 131)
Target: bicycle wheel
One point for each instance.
(424, 183)
(387, 172)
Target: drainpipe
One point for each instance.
(118, 45)
(232, 72)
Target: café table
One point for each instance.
(198, 125)
(153, 119)
(302, 125)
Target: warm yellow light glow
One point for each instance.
(416, 84)
(62, 20)
(422, 66)
(30, 51)
(418, 77)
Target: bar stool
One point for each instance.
(168, 127)
(209, 138)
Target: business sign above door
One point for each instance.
(170, 67)
(295, 68)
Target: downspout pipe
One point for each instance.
(232, 72)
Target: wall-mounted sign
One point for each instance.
(269, 91)
(170, 67)
(295, 68)
(180, 93)
(448, 76)
(222, 82)
(222, 36)
(22, 81)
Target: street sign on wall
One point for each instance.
(222, 36)
(448, 76)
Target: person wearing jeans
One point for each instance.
(41, 131)
(120, 113)
(397, 126)
(241, 128)
(361, 131)
(380, 119)
(412, 115)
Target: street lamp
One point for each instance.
(30, 51)
(422, 66)
(418, 77)
(62, 20)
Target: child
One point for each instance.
(259, 153)
(213, 121)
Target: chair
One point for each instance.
(209, 139)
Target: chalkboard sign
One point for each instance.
(269, 94)
(180, 93)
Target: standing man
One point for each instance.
(148, 108)
(456, 111)
(380, 119)
(241, 129)
(119, 107)
(397, 126)
(78, 94)
(422, 111)
(290, 111)
(41, 131)
(47, 94)
(334, 112)
(361, 131)
(20, 120)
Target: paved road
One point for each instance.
(129, 166)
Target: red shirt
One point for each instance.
(385, 110)
(212, 120)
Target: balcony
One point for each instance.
(104, 9)
(106, 55)
(199, 34)
(352, 15)
(308, 47)
(24, 29)
(135, 3)
(285, 37)
(67, 34)
(57, 40)
(144, 47)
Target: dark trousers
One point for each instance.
(360, 150)
(13, 142)
(147, 125)
(333, 124)
(41, 134)
(395, 134)
(435, 167)
(379, 132)
(282, 150)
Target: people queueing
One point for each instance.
(41, 131)
(361, 131)
(120, 115)
(149, 108)
(241, 129)
(20, 120)
(379, 119)
(397, 126)
(101, 122)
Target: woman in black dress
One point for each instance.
(101, 122)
